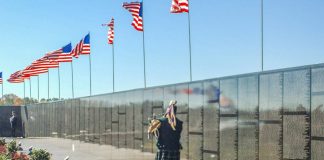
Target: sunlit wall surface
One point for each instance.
(269, 115)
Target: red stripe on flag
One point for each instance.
(179, 6)
(111, 32)
(134, 9)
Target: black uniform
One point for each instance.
(169, 141)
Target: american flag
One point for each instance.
(1, 78)
(61, 55)
(31, 71)
(136, 9)
(76, 50)
(85, 49)
(45, 62)
(179, 6)
(111, 32)
(24, 75)
(16, 77)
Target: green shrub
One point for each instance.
(40, 154)
(12, 147)
(4, 157)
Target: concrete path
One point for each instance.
(76, 150)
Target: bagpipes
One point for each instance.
(154, 125)
(154, 122)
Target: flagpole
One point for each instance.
(89, 104)
(90, 74)
(72, 79)
(261, 35)
(2, 89)
(189, 29)
(48, 87)
(38, 88)
(113, 59)
(30, 94)
(24, 93)
(144, 61)
(59, 82)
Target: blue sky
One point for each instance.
(225, 40)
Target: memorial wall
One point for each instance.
(267, 115)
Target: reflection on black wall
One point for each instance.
(268, 116)
(6, 112)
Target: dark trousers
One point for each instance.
(167, 155)
(13, 132)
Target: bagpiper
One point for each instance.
(167, 131)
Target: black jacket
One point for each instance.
(168, 138)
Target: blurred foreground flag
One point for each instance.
(179, 6)
(136, 9)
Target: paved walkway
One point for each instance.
(76, 150)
